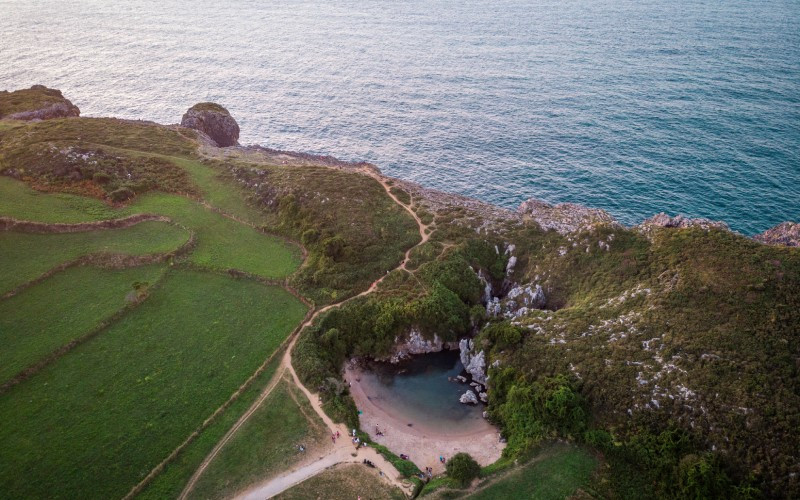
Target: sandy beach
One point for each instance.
(422, 444)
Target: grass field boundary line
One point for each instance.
(260, 229)
(26, 226)
(107, 260)
(35, 368)
(424, 236)
(236, 394)
(312, 314)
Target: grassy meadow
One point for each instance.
(173, 479)
(116, 406)
(557, 473)
(63, 308)
(27, 256)
(222, 243)
(265, 445)
(344, 482)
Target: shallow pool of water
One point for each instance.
(419, 392)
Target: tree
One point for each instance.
(463, 468)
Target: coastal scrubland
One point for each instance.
(554, 470)
(666, 356)
(656, 351)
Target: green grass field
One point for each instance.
(344, 482)
(19, 201)
(172, 480)
(222, 243)
(94, 423)
(554, 475)
(265, 445)
(26, 256)
(62, 308)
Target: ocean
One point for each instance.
(633, 106)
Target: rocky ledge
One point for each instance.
(214, 121)
(36, 103)
(786, 233)
(564, 218)
(414, 343)
(679, 221)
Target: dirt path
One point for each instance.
(344, 451)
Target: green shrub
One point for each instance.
(121, 194)
(463, 468)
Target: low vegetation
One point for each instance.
(266, 445)
(156, 374)
(36, 97)
(353, 231)
(176, 474)
(344, 481)
(26, 256)
(556, 474)
(221, 243)
(62, 309)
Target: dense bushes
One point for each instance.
(530, 411)
(463, 468)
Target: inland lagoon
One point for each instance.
(414, 409)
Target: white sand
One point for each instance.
(422, 445)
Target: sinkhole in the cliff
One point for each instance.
(423, 392)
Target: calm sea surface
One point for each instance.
(635, 106)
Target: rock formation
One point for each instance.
(214, 121)
(414, 343)
(475, 364)
(468, 398)
(786, 233)
(565, 218)
(36, 103)
(679, 221)
(520, 300)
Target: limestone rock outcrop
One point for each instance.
(36, 103)
(565, 218)
(786, 234)
(468, 398)
(520, 300)
(679, 221)
(214, 121)
(414, 343)
(475, 364)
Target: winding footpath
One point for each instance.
(343, 451)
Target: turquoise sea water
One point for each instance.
(635, 106)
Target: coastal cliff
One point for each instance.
(652, 341)
(36, 103)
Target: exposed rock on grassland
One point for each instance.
(214, 121)
(786, 233)
(36, 103)
(564, 218)
(679, 221)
